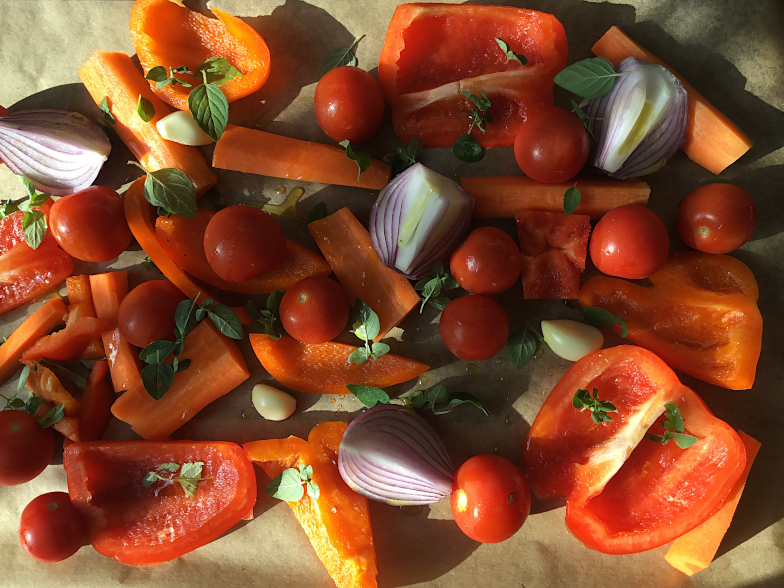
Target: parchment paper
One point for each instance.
(731, 51)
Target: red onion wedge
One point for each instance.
(60, 151)
(418, 219)
(391, 454)
(641, 122)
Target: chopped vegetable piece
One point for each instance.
(97, 400)
(114, 75)
(504, 196)
(338, 522)
(554, 246)
(700, 316)
(216, 368)
(325, 368)
(42, 382)
(79, 292)
(695, 550)
(133, 523)
(11, 227)
(182, 239)
(258, 152)
(36, 326)
(348, 249)
(712, 140)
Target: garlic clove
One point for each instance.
(271, 403)
(570, 339)
(181, 127)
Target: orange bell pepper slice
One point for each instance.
(167, 33)
(338, 523)
(700, 316)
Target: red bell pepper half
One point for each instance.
(144, 526)
(626, 493)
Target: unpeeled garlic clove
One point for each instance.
(271, 403)
(181, 127)
(570, 339)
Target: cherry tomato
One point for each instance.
(717, 218)
(552, 146)
(474, 327)
(490, 498)
(488, 262)
(242, 242)
(349, 104)
(26, 448)
(51, 529)
(315, 310)
(629, 242)
(146, 314)
(90, 225)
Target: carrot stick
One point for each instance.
(108, 292)
(504, 196)
(217, 367)
(346, 245)
(712, 140)
(114, 76)
(695, 550)
(79, 293)
(258, 152)
(36, 326)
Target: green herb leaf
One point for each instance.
(360, 156)
(359, 356)
(157, 379)
(209, 108)
(181, 366)
(107, 114)
(571, 200)
(149, 479)
(191, 470)
(163, 77)
(481, 116)
(157, 351)
(77, 372)
(218, 70)
(370, 396)
(467, 149)
(582, 400)
(157, 74)
(511, 55)
(458, 398)
(431, 287)
(317, 212)
(7, 207)
(145, 109)
(379, 349)
(440, 401)
(34, 227)
(584, 118)
(305, 472)
(216, 199)
(589, 78)
(170, 189)
(340, 56)
(365, 321)
(265, 320)
(522, 346)
(404, 157)
(184, 321)
(313, 490)
(286, 486)
(674, 420)
(53, 416)
(603, 319)
(148, 264)
(168, 468)
(226, 321)
(23, 379)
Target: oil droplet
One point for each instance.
(337, 414)
(497, 361)
(334, 510)
(412, 511)
(538, 353)
(473, 370)
(509, 418)
(435, 358)
(552, 373)
(342, 396)
(340, 406)
(332, 400)
(247, 413)
(422, 381)
(501, 378)
(499, 448)
(281, 190)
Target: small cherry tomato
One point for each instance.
(349, 104)
(490, 498)
(717, 218)
(90, 225)
(629, 242)
(242, 242)
(552, 146)
(488, 262)
(146, 314)
(26, 448)
(315, 310)
(51, 529)
(474, 327)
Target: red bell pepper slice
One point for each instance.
(97, 400)
(11, 232)
(433, 52)
(148, 526)
(625, 493)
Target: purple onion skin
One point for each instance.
(662, 141)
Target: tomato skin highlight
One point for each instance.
(474, 327)
(146, 313)
(315, 310)
(90, 225)
(490, 498)
(26, 448)
(51, 529)
(349, 104)
(717, 218)
(242, 242)
(629, 242)
(488, 262)
(552, 146)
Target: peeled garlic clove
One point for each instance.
(570, 339)
(271, 403)
(181, 127)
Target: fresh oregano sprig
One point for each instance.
(52, 416)
(522, 345)
(145, 109)
(603, 319)
(511, 55)
(317, 212)
(582, 400)
(107, 113)
(584, 118)
(290, 485)
(432, 287)
(673, 429)
(264, 320)
(163, 76)
(589, 78)
(34, 223)
(210, 108)
(358, 156)
(170, 190)
(189, 476)
(481, 114)
(366, 326)
(340, 56)
(572, 199)
(437, 398)
(404, 157)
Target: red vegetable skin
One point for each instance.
(11, 231)
(315, 310)
(51, 529)
(490, 498)
(717, 218)
(132, 524)
(487, 262)
(26, 448)
(349, 104)
(554, 246)
(146, 314)
(96, 410)
(474, 328)
(629, 242)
